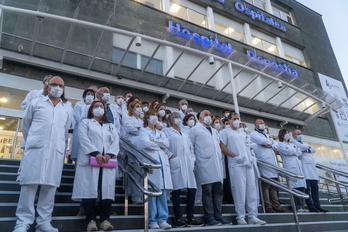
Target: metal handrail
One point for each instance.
(280, 170)
(333, 170)
(279, 185)
(334, 181)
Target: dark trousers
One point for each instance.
(212, 200)
(299, 201)
(270, 195)
(190, 196)
(312, 191)
(227, 198)
(90, 208)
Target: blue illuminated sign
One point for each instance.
(283, 67)
(205, 40)
(221, 1)
(256, 15)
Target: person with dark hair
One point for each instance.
(153, 104)
(226, 123)
(145, 106)
(310, 172)
(162, 120)
(45, 134)
(225, 114)
(289, 153)
(188, 122)
(35, 93)
(181, 167)
(119, 100)
(99, 139)
(216, 123)
(154, 143)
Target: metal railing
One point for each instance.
(293, 192)
(135, 161)
(337, 183)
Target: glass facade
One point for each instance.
(188, 14)
(229, 31)
(264, 45)
(10, 138)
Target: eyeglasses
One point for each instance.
(98, 106)
(55, 85)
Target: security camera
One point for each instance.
(211, 60)
(280, 85)
(138, 41)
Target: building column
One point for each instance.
(233, 86)
(247, 34)
(165, 5)
(210, 18)
(280, 47)
(268, 6)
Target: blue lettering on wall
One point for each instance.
(221, 1)
(256, 15)
(204, 40)
(283, 67)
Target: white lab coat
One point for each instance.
(209, 166)
(130, 130)
(182, 114)
(95, 137)
(33, 94)
(308, 162)
(265, 154)
(289, 153)
(45, 133)
(183, 161)
(116, 116)
(156, 149)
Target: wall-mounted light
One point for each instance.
(211, 60)
(138, 41)
(280, 85)
(3, 99)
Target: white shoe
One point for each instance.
(21, 228)
(242, 222)
(106, 225)
(300, 210)
(154, 226)
(165, 225)
(92, 226)
(256, 221)
(47, 227)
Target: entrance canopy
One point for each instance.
(172, 61)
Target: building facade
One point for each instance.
(262, 58)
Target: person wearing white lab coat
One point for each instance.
(265, 152)
(310, 172)
(154, 143)
(79, 112)
(98, 138)
(45, 129)
(131, 124)
(209, 170)
(241, 171)
(290, 153)
(183, 105)
(181, 167)
(188, 122)
(33, 94)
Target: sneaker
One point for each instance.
(224, 221)
(198, 201)
(314, 210)
(165, 226)
(180, 223)
(106, 225)
(47, 227)
(256, 221)
(21, 228)
(323, 210)
(92, 226)
(213, 222)
(241, 222)
(195, 222)
(154, 226)
(300, 210)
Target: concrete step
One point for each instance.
(14, 169)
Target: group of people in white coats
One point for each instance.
(191, 150)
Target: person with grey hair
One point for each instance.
(183, 105)
(181, 162)
(35, 93)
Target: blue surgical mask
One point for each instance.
(299, 138)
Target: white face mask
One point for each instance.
(127, 99)
(89, 99)
(161, 113)
(207, 120)
(236, 123)
(153, 120)
(145, 108)
(241, 129)
(178, 121)
(98, 112)
(142, 115)
(227, 114)
(217, 126)
(191, 123)
(287, 136)
(56, 91)
(119, 101)
(262, 127)
(184, 107)
(138, 111)
(106, 97)
(246, 129)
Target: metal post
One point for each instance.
(339, 192)
(146, 205)
(125, 183)
(293, 206)
(261, 195)
(234, 93)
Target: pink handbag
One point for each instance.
(111, 164)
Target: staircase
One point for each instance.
(65, 210)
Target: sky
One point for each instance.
(333, 13)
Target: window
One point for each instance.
(188, 14)
(258, 3)
(294, 54)
(152, 3)
(137, 61)
(229, 31)
(264, 45)
(283, 14)
(295, 60)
